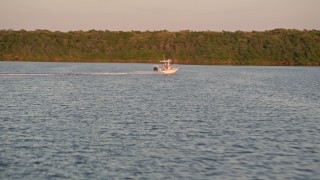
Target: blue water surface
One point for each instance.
(124, 121)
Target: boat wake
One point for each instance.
(27, 74)
(79, 74)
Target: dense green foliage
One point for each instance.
(275, 47)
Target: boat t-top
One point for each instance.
(166, 67)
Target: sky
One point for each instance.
(152, 15)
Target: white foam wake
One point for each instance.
(66, 74)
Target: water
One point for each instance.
(123, 121)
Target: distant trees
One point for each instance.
(274, 47)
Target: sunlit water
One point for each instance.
(110, 121)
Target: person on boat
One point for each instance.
(166, 65)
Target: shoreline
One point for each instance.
(157, 62)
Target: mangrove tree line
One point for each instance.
(274, 47)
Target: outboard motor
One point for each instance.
(155, 69)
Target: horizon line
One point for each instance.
(165, 30)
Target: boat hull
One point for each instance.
(169, 71)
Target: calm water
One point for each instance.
(123, 121)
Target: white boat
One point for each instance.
(166, 68)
